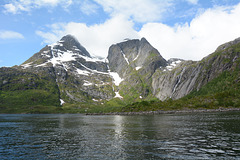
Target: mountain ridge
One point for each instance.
(133, 71)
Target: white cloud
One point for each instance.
(192, 40)
(88, 7)
(17, 6)
(137, 10)
(10, 8)
(48, 37)
(10, 35)
(96, 38)
(197, 39)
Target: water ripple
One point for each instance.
(170, 136)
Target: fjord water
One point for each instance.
(167, 136)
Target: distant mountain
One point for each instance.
(65, 72)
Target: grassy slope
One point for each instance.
(22, 92)
(223, 91)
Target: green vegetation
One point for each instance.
(22, 92)
(26, 92)
(223, 91)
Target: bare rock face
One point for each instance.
(188, 75)
(176, 83)
(71, 43)
(135, 61)
(136, 54)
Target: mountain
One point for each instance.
(80, 77)
(65, 73)
(189, 75)
(135, 61)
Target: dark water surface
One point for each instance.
(168, 136)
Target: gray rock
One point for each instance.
(189, 75)
(144, 71)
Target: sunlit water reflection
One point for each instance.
(169, 136)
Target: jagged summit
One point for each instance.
(69, 38)
(135, 61)
(143, 39)
(68, 49)
(136, 53)
(71, 43)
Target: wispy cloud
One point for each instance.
(10, 35)
(192, 1)
(137, 10)
(142, 11)
(88, 7)
(18, 6)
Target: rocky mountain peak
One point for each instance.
(67, 50)
(69, 37)
(135, 53)
(70, 43)
(144, 40)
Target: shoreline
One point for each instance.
(168, 112)
(178, 111)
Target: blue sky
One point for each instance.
(188, 29)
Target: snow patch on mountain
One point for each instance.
(58, 57)
(125, 57)
(58, 43)
(136, 57)
(117, 95)
(61, 102)
(116, 78)
(92, 59)
(86, 83)
(91, 70)
(172, 64)
(82, 72)
(26, 65)
(137, 68)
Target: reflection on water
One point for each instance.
(169, 136)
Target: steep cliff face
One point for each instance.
(134, 54)
(188, 75)
(135, 61)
